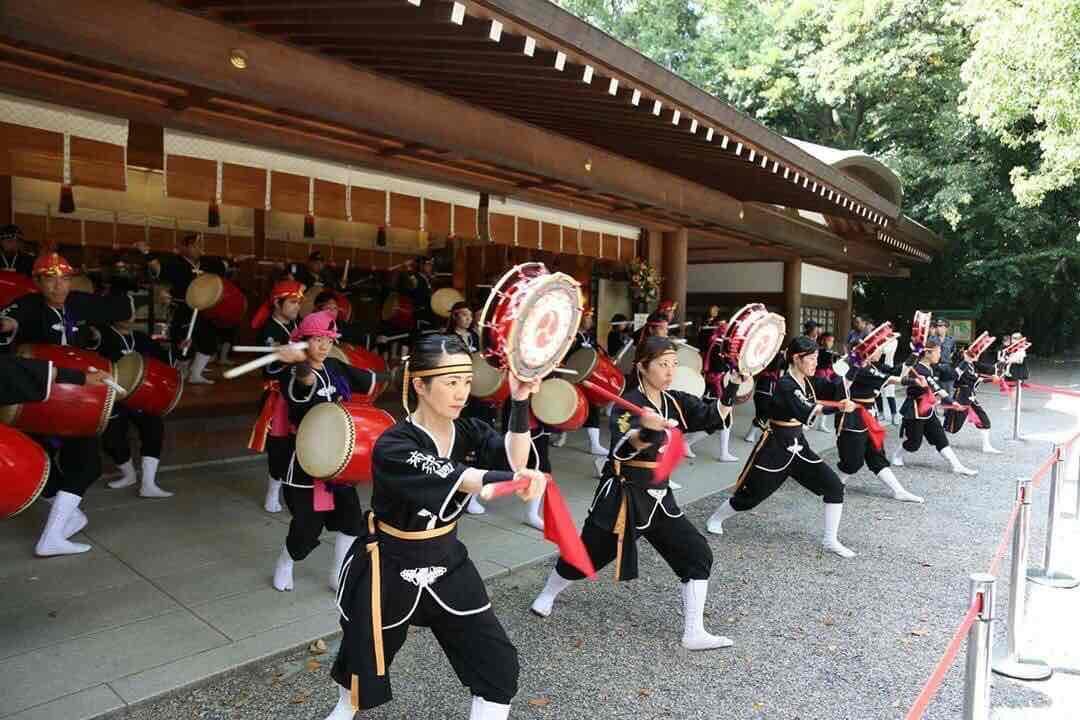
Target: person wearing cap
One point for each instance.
(969, 374)
(274, 323)
(411, 568)
(178, 271)
(116, 341)
(316, 378)
(60, 316)
(586, 338)
(918, 411)
(12, 258)
(784, 452)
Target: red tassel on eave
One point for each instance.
(309, 226)
(67, 199)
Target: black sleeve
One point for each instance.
(26, 311)
(622, 423)
(490, 445)
(985, 368)
(26, 380)
(361, 380)
(147, 346)
(699, 414)
(100, 309)
(795, 401)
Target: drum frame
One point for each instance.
(125, 401)
(23, 438)
(580, 411)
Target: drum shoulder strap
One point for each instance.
(678, 408)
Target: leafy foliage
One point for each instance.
(975, 104)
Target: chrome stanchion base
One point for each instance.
(1019, 668)
(1052, 579)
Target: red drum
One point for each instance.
(560, 404)
(335, 441)
(979, 345)
(358, 357)
(529, 320)
(398, 312)
(71, 410)
(344, 305)
(920, 329)
(217, 299)
(25, 467)
(13, 286)
(489, 384)
(875, 340)
(594, 365)
(753, 337)
(152, 386)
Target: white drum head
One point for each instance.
(546, 320)
(582, 361)
(689, 356)
(763, 341)
(840, 367)
(325, 440)
(688, 381)
(486, 378)
(443, 299)
(554, 403)
(205, 291)
(129, 371)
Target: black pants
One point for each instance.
(683, 548)
(912, 431)
(593, 419)
(117, 444)
(756, 484)
(308, 523)
(761, 410)
(279, 452)
(955, 419)
(74, 466)
(204, 339)
(855, 449)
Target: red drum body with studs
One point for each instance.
(218, 300)
(863, 350)
(529, 320)
(560, 404)
(25, 467)
(70, 410)
(920, 329)
(335, 441)
(398, 312)
(13, 286)
(363, 359)
(152, 386)
(594, 365)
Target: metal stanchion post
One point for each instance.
(979, 650)
(1046, 575)
(1010, 664)
(1016, 409)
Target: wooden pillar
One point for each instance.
(653, 251)
(7, 204)
(259, 232)
(843, 316)
(674, 268)
(793, 296)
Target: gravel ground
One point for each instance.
(816, 636)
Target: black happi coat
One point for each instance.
(933, 376)
(792, 406)
(968, 378)
(26, 380)
(41, 323)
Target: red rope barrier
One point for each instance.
(999, 554)
(933, 684)
(1043, 469)
(1050, 389)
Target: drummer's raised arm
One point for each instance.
(519, 439)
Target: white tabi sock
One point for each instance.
(198, 367)
(986, 446)
(558, 439)
(594, 442)
(53, 541)
(127, 476)
(833, 511)
(694, 635)
(752, 434)
(474, 507)
(725, 447)
(898, 457)
(149, 487)
(899, 493)
(283, 571)
(544, 602)
(485, 710)
(344, 709)
(272, 503)
(342, 543)
(954, 462)
(533, 516)
(715, 524)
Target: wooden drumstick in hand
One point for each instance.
(263, 361)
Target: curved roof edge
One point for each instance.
(860, 167)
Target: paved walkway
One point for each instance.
(178, 590)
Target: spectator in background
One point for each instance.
(948, 347)
(812, 329)
(859, 327)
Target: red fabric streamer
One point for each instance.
(973, 417)
(926, 402)
(257, 440)
(873, 428)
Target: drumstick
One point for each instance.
(502, 489)
(260, 362)
(255, 348)
(625, 347)
(565, 370)
(190, 330)
(621, 322)
(113, 384)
